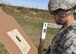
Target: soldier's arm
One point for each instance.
(71, 46)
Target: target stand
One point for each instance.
(13, 37)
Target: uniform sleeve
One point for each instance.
(72, 48)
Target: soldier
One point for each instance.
(65, 41)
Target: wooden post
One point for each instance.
(40, 49)
(42, 38)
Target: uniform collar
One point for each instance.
(73, 25)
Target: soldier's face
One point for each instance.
(58, 20)
(59, 16)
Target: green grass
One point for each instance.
(3, 50)
(29, 22)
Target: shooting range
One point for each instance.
(13, 37)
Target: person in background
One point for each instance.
(65, 40)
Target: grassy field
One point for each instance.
(3, 50)
(31, 20)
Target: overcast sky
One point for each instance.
(41, 4)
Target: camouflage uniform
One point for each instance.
(65, 41)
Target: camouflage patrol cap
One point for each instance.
(61, 4)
